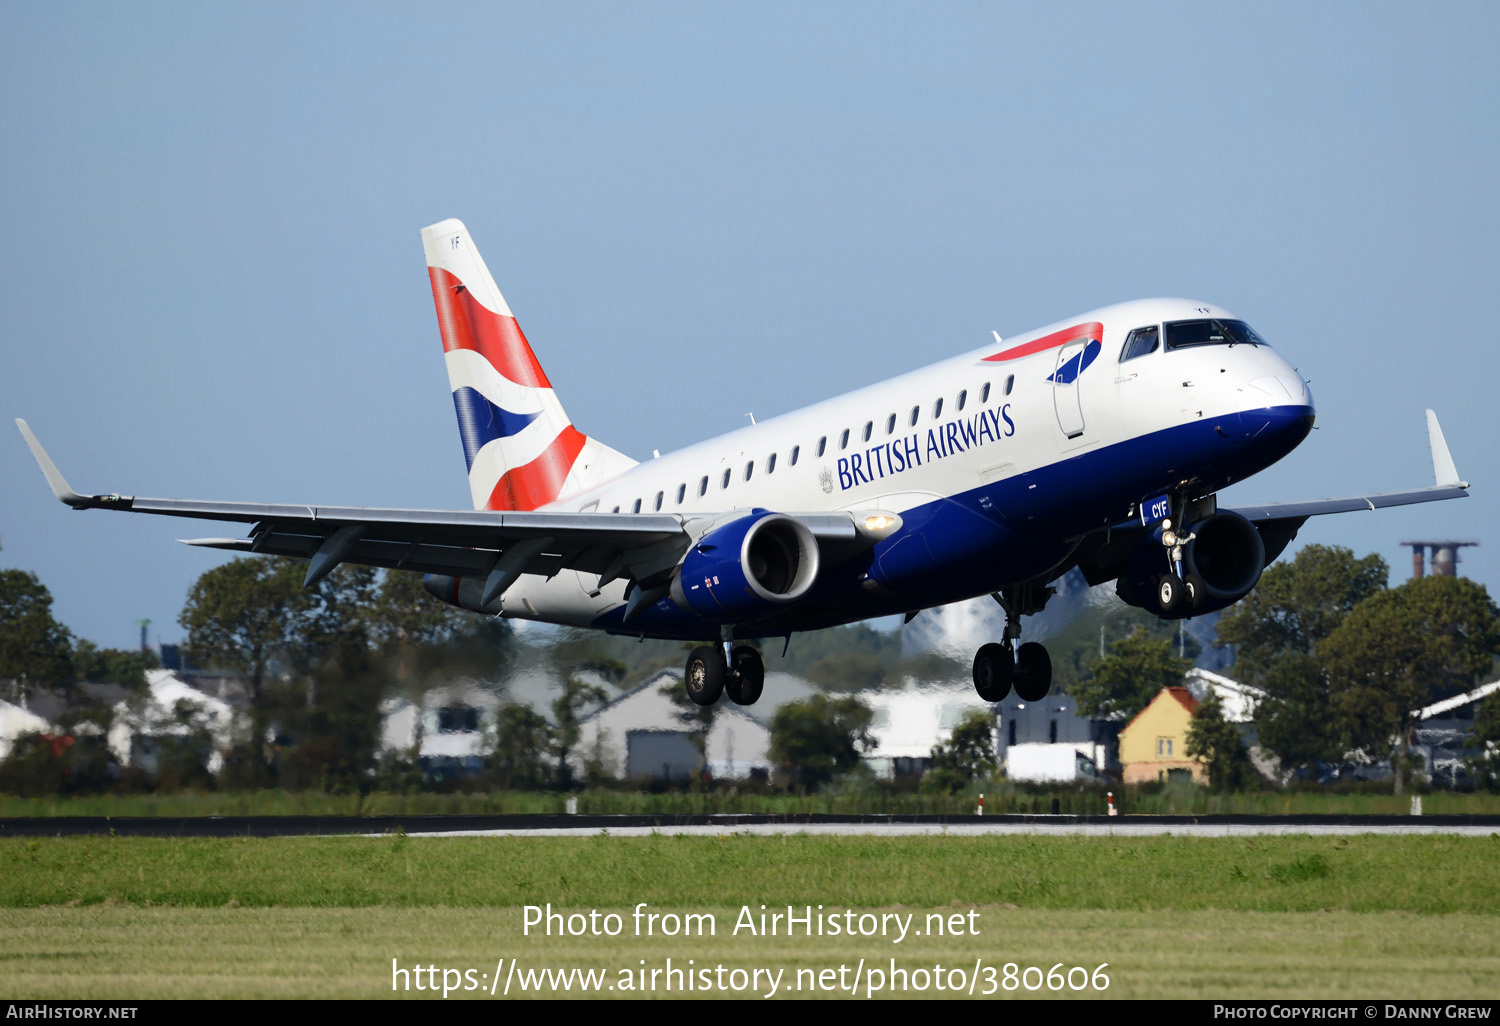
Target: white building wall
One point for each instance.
(736, 742)
(15, 721)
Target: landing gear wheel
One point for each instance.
(704, 676)
(747, 676)
(1170, 591)
(994, 666)
(1033, 672)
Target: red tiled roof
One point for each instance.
(1184, 696)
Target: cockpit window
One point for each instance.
(1210, 332)
(1141, 342)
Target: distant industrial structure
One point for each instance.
(1444, 557)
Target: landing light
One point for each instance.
(876, 524)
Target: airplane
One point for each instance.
(1097, 443)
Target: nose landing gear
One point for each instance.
(1000, 667)
(1172, 588)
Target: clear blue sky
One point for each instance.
(213, 286)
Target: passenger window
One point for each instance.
(1010, 383)
(637, 506)
(890, 424)
(681, 493)
(822, 444)
(771, 463)
(1140, 342)
(795, 450)
(659, 497)
(869, 426)
(844, 439)
(703, 485)
(915, 411)
(984, 393)
(937, 409)
(749, 469)
(725, 482)
(615, 510)
(963, 397)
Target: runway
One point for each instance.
(730, 824)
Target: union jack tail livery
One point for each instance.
(520, 446)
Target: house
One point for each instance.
(170, 707)
(15, 721)
(640, 734)
(1153, 745)
(1440, 732)
(1048, 741)
(1237, 700)
(452, 728)
(908, 723)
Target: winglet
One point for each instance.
(55, 480)
(1442, 460)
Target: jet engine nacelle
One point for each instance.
(1220, 565)
(747, 569)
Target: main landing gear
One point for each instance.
(1000, 667)
(733, 670)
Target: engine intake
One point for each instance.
(747, 569)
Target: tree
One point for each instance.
(1278, 631)
(1402, 649)
(1297, 720)
(522, 743)
(565, 709)
(35, 650)
(1124, 682)
(1218, 745)
(254, 615)
(245, 615)
(422, 636)
(817, 739)
(578, 651)
(967, 754)
(848, 671)
(337, 680)
(127, 668)
(1296, 605)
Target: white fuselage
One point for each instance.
(956, 427)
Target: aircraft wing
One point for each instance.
(1102, 557)
(462, 543)
(1285, 517)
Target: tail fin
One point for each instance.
(521, 448)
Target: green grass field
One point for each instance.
(1272, 917)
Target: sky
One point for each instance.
(214, 287)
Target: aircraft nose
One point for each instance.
(1278, 429)
(1284, 388)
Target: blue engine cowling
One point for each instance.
(747, 569)
(1221, 565)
